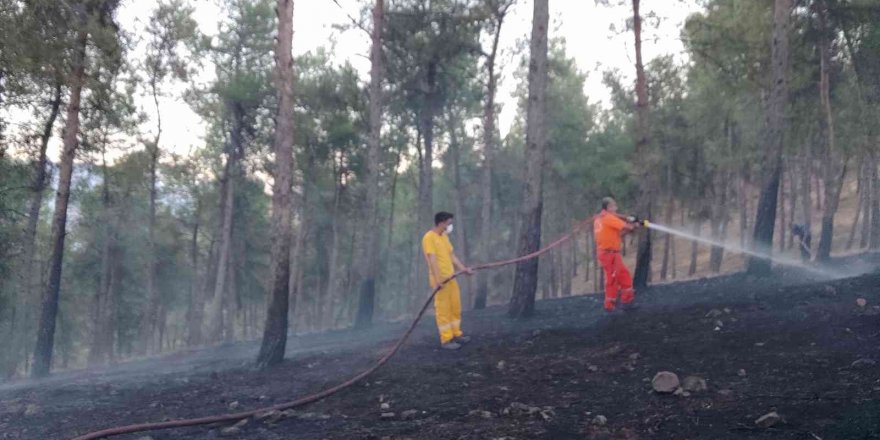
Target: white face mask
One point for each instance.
(449, 229)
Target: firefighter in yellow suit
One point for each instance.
(441, 265)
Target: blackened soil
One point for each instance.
(804, 349)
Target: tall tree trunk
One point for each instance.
(275, 333)
(522, 301)
(867, 224)
(698, 223)
(150, 318)
(806, 192)
(49, 305)
(194, 310)
(719, 225)
(774, 133)
(368, 267)
(781, 208)
(743, 208)
(664, 266)
(461, 231)
(860, 206)
(426, 170)
(228, 205)
(23, 325)
(834, 172)
(489, 137)
(98, 348)
(643, 140)
(792, 201)
(874, 241)
(331, 284)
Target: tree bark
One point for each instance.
(643, 253)
(774, 129)
(664, 266)
(781, 208)
(150, 318)
(874, 240)
(461, 231)
(22, 324)
(49, 305)
(368, 267)
(228, 206)
(194, 311)
(692, 269)
(486, 172)
(522, 301)
(98, 350)
(834, 172)
(275, 333)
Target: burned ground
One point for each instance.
(804, 349)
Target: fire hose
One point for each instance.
(348, 383)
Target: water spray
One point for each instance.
(786, 261)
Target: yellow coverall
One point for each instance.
(447, 302)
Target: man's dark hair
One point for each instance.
(441, 217)
(607, 201)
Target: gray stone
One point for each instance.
(714, 313)
(694, 384)
(387, 416)
(665, 382)
(864, 362)
(768, 420)
(31, 410)
(600, 420)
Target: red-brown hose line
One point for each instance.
(330, 391)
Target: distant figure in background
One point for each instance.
(804, 240)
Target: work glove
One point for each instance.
(632, 219)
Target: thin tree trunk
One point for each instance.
(49, 305)
(522, 301)
(867, 223)
(150, 318)
(489, 137)
(743, 210)
(223, 258)
(792, 203)
(860, 206)
(22, 324)
(774, 129)
(194, 311)
(461, 230)
(643, 141)
(368, 267)
(834, 174)
(806, 193)
(782, 219)
(874, 241)
(664, 266)
(692, 269)
(275, 333)
(719, 225)
(97, 350)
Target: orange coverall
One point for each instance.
(608, 229)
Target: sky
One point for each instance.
(596, 37)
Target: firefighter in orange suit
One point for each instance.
(609, 227)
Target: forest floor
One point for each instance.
(791, 344)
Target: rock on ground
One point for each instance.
(768, 420)
(665, 382)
